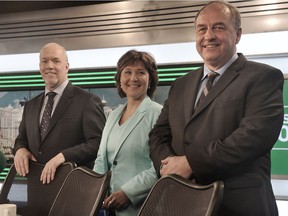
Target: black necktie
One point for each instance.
(211, 77)
(47, 113)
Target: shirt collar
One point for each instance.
(221, 70)
(59, 90)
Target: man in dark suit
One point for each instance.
(76, 122)
(229, 134)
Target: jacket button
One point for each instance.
(115, 163)
(40, 153)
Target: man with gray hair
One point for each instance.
(227, 120)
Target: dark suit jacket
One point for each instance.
(75, 129)
(229, 136)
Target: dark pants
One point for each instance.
(106, 213)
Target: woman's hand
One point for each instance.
(117, 200)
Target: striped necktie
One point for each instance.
(211, 77)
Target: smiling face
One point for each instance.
(135, 81)
(216, 36)
(53, 65)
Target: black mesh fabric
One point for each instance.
(82, 193)
(171, 197)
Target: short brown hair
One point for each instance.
(132, 57)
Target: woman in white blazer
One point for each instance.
(124, 145)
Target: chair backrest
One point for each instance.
(82, 193)
(28, 193)
(173, 195)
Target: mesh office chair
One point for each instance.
(29, 194)
(81, 194)
(174, 196)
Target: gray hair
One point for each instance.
(234, 13)
(57, 45)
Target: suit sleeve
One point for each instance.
(93, 123)
(160, 138)
(21, 139)
(101, 162)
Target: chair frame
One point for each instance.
(66, 188)
(7, 184)
(11, 179)
(215, 200)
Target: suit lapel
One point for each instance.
(191, 87)
(225, 80)
(137, 116)
(63, 104)
(34, 119)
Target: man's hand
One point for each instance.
(21, 161)
(117, 200)
(176, 165)
(49, 170)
